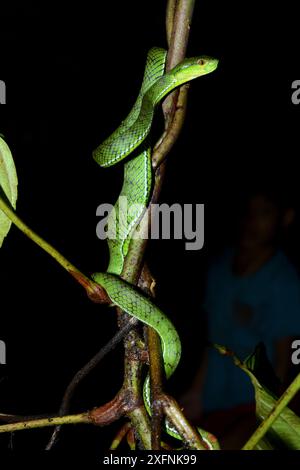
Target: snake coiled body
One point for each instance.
(131, 137)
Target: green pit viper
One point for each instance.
(132, 134)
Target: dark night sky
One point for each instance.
(71, 77)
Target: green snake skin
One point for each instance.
(131, 135)
(137, 171)
(129, 299)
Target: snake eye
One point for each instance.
(201, 61)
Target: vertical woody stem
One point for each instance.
(178, 19)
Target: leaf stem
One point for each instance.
(93, 289)
(283, 401)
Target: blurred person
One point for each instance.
(252, 296)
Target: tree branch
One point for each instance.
(44, 422)
(137, 412)
(179, 19)
(94, 291)
(120, 436)
(84, 371)
(179, 16)
(170, 14)
(156, 378)
(183, 427)
(128, 401)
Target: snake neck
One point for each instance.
(161, 88)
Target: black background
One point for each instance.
(71, 76)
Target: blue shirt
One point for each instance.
(242, 311)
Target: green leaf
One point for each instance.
(286, 428)
(283, 431)
(264, 444)
(8, 185)
(258, 363)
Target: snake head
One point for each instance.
(194, 67)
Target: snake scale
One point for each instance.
(131, 137)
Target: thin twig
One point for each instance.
(92, 288)
(84, 371)
(177, 49)
(9, 418)
(120, 436)
(43, 422)
(172, 132)
(183, 427)
(174, 106)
